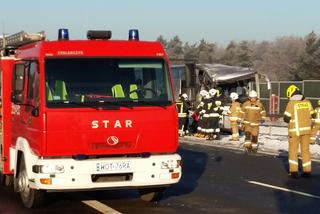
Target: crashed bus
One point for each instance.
(191, 78)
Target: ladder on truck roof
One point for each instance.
(16, 40)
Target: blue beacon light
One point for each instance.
(134, 35)
(63, 34)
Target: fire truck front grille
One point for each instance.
(98, 178)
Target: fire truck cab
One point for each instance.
(86, 114)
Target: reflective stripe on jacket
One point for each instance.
(299, 112)
(235, 111)
(253, 112)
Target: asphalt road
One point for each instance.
(215, 180)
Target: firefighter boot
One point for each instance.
(254, 143)
(218, 136)
(294, 175)
(306, 174)
(247, 141)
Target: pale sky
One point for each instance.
(217, 21)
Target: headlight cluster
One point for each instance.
(48, 169)
(171, 164)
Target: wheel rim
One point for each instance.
(23, 185)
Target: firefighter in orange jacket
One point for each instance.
(234, 114)
(253, 113)
(298, 115)
(316, 124)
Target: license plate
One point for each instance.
(114, 166)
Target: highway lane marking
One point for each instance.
(100, 207)
(285, 189)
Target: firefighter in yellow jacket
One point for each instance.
(253, 114)
(298, 115)
(316, 124)
(234, 114)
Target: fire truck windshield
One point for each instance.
(102, 82)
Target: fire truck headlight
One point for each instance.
(171, 164)
(49, 169)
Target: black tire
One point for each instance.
(151, 194)
(30, 197)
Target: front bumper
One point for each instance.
(81, 174)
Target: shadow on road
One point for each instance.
(283, 156)
(193, 166)
(289, 202)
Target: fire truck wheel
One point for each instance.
(151, 194)
(30, 197)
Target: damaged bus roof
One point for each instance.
(220, 73)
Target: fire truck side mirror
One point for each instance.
(18, 84)
(35, 112)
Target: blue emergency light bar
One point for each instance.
(63, 34)
(133, 35)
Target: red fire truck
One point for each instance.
(86, 114)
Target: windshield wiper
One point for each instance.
(99, 104)
(83, 104)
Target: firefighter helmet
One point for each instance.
(253, 94)
(212, 92)
(291, 90)
(184, 96)
(234, 96)
(207, 96)
(203, 93)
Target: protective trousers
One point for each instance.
(234, 130)
(252, 132)
(182, 121)
(304, 142)
(200, 125)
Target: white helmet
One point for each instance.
(212, 92)
(234, 96)
(184, 96)
(203, 93)
(253, 94)
(207, 96)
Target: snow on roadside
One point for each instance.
(272, 139)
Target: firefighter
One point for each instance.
(234, 114)
(206, 115)
(185, 109)
(298, 115)
(183, 114)
(253, 113)
(219, 98)
(199, 112)
(210, 112)
(316, 124)
(215, 114)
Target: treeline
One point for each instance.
(286, 58)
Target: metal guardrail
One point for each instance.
(310, 89)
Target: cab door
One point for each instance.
(26, 107)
